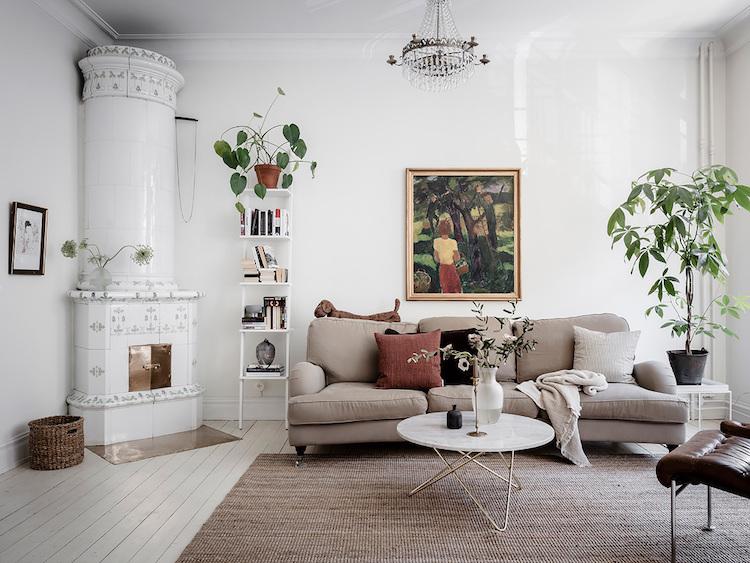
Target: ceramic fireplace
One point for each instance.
(136, 370)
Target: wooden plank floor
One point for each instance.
(147, 510)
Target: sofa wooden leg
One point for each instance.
(300, 455)
(673, 508)
(709, 527)
(671, 447)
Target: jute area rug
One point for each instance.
(355, 508)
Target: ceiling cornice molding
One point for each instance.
(736, 32)
(76, 21)
(94, 16)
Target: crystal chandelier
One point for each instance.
(438, 58)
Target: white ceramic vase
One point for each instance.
(489, 397)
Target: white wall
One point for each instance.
(738, 226)
(38, 165)
(580, 120)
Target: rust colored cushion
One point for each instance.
(394, 369)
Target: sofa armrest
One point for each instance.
(732, 428)
(305, 379)
(655, 376)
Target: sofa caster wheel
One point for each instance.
(300, 456)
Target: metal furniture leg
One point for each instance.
(709, 527)
(673, 495)
(458, 464)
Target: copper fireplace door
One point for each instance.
(149, 367)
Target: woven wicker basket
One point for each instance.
(56, 442)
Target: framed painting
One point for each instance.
(463, 234)
(28, 232)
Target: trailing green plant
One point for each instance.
(252, 144)
(487, 351)
(142, 254)
(677, 239)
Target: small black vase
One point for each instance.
(454, 419)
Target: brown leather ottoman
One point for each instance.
(717, 459)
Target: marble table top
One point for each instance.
(510, 433)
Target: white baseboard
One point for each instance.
(258, 408)
(14, 452)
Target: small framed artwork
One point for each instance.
(463, 234)
(28, 234)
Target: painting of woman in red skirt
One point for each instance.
(446, 256)
(463, 238)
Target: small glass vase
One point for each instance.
(489, 397)
(100, 278)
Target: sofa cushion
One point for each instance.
(395, 371)
(625, 401)
(514, 402)
(555, 344)
(353, 402)
(506, 371)
(346, 349)
(610, 353)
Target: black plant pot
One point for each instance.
(688, 369)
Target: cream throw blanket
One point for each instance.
(558, 394)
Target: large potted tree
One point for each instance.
(667, 224)
(259, 146)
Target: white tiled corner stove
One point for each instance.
(136, 371)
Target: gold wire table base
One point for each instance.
(472, 457)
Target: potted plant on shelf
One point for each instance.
(253, 148)
(667, 224)
(486, 354)
(100, 277)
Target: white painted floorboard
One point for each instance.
(146, 511)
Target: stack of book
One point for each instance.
(267, 275)
(262, 266)
(272, 370)
(264, 222)
(250, 271)
(274, 309)
(253, 318)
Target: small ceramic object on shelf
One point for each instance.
(265, 352)
(454, 418)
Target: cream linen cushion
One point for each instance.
(611, 354)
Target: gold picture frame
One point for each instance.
(463, 232)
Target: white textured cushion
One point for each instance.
(610, 353)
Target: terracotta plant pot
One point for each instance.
(688, 370)
(268, 175)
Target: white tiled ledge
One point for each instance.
(177, 294)
(85, 401)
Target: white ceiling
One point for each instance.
(216, 18)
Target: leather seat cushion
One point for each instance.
(354, 402)
(443, 398)
(709, 458)
(627, 401)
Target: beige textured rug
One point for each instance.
(355, 508)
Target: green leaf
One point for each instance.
(617, 218)
(241, 137)
(239, 207)
(282, 159)
(291, 133)
(299, 148)
(286, 180)
(260, 191)
(643, 264)
(742, 200)
(280, 91)
(243, 157)
(256, 114)
(313, 166)
(238, 183)
(222, 148)
(230, 159)
(295, 167)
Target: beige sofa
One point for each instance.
(333, 399)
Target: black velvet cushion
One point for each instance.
(449, 370)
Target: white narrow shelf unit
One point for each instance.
(282, 199)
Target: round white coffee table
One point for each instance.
(510, 434)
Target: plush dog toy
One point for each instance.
(326, 309)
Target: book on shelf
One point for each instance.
(274, 309)
(258, 369)
(262, 266)
(264, 222)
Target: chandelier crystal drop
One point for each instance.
(437, 58)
